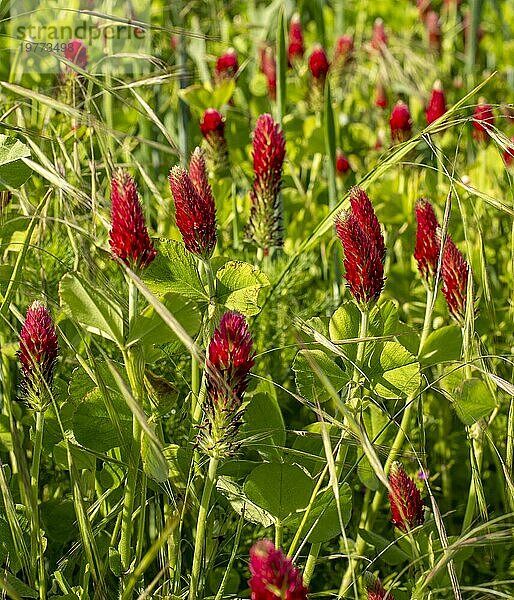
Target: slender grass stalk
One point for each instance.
(281, 67)
(472, 39)
(36, 538)
(209, 484)
(279, 533)
(311, 563)
(230, 564)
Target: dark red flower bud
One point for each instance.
(364, 248)
(318, 63)
(269, 68)
(38, 355)
(195, 212)
(483, 121)
(400, 123)
(342, 164)
(433, 25)
(229, 361)
(269, 149)
(437, 104)
(76, 52)
(428, 243)
(343, 49)
(295, 49)
(454, 274)
(379, 36)
(508, 154)
(274, 577)
(226, 65)
(212, 126)
(129, 238)
(380, 95)
(375, 589)
(405, 499)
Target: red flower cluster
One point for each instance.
(376, 590)
(269, 68)
(295, 49)
(195, 211)
(318, 64)
(380, 95)
(269, 149)
(437, 104)
(76, 52)
(405, 500)
(454, 273)
(483, 121)
(342, 164)
(364, 248)
(129, 238)
(379, 36)
(274, 577)
(226, 65)
(428, 242)
(229, 360)
(212, 126)
(433, 25)
(344, 49)
(400, 123)
(38, 354)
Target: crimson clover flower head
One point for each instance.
(405, 499)
(226, 65)
(454, 274)
(344, 48)
(375, 589)
(212, 126)
(342, 164)
(400, 122)
(379, 36)
(195, 212)
(437, 104)
(364, 248)
(274, 576)
(433, 25)
(483, 121)
(380, 95)
(428, 243)
(268, 66)
(38, 355)
(295, 48)
(229, 360)
(318, 63)
(508, 154)
(76, 52)
(212, 123)
(199, 176)
(269, 149)
(128, 238)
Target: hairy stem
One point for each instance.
(311, 563)
(37, 541)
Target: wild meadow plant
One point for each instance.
(278, 366)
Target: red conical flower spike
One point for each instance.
(229, 360)
(380, 95)
(269, 68)
(76, 52)
(318, 64)
(129, 238)
(454, 274)
(428, 242)
(508, 154)
(295, 49)
(269, 149)
(343, 49)
(433, 25)
(212, 126)
(379, 36)
(405, 499)
(437, 103)
(342, 164)
(375, 589)
(198, 175)
(364, 248)
(226, 65)
(195, 213)
(483, 121)
(274, 577)
(38, 355)
(400, 123)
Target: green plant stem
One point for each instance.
(311, 563)
(235, 219)
(37, 542)
(211, 283)
(209, 484)
(427, 321)
(279, 533)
